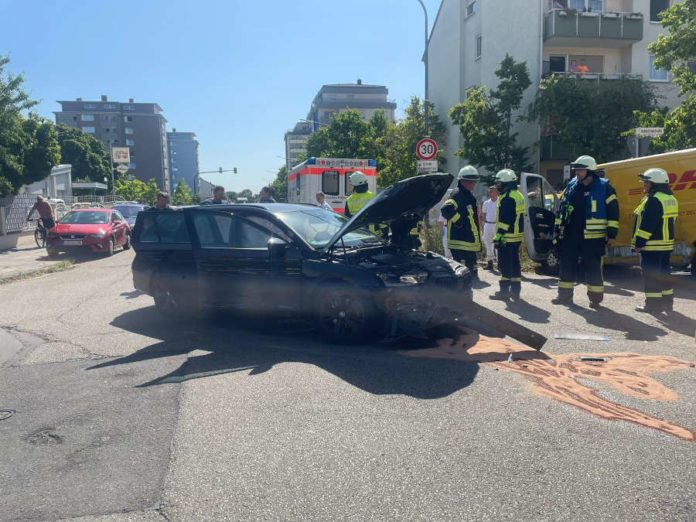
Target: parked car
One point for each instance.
(97, 229)
(298, 259)
(129, 211)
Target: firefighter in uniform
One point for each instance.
(461, 213)
(653, 238)
(509, 229)
(587, 221)
(359, 198)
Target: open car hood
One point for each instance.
(405, 200)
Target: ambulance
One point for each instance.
(542, 205)
(330, 176)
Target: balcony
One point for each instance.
(568, 28)
(596, 76)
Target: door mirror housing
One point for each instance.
(277, 248)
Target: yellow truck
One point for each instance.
(542, 203)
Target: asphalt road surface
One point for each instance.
(111, 412)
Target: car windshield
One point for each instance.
(318, 226)
(85, 217)
(128, 211)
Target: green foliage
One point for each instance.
(396, 159)
(136, 190)
(485, 120)
(89, 158)
(279, 187)
(182, 194)
(675, 49)
(348, 136)
(28, 146)
(588, 117)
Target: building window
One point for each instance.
(110, 106)
(87, 117)
(130, 142)
(656, 74)
(656, 7)
(471, 8)
(557, 64)
(478, 47)
(128, 118)
(91, 130)
(90, 106)
(129, 130)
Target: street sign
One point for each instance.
(649, 132)
(426, 149)
(426, 166)
(120, 154)
(122, 169)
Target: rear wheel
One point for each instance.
(40, 237)
(344, 315)
(127, 244)
(110, 247)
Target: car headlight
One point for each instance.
(461, 271)
(98, 235)
(390, 279)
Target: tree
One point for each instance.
(676, 52)
(485, 120)
(28, 147)
(89, 158)
(347, 136)
(182, 194)
(397, 159)
(137, 190)
(279, 187)
(589, 117)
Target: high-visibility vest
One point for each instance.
(358, 200)
(596, 220)
(512, 231)
(462, 230)
(663, 238)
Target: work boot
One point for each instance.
(500, 296)
(489, 266)
(648, 309)
(595, 304)
(567, 301)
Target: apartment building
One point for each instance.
(139, 126)
(330, 100)
(592, 40)
(183, 158)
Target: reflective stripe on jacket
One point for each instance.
(511, 209)
(601, 209)
(654, 224)
(462, 222)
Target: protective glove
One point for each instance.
(498, 240)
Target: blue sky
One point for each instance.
(238, 73)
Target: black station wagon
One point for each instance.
(300, 260)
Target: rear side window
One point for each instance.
(329, 182)
(230, 231)
(164, 227)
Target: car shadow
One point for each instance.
(244, 346)
(607, 318)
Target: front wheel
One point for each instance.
(344, 315)
(110, 247)
(40, 237)
(127, 244)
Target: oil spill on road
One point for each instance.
(560, 377)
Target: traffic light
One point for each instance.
(234, 170)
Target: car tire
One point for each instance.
(551, 264)
(110, 247)
(344, 314)
(127, 244)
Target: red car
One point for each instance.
(99, 229)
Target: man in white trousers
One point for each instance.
(489, 214)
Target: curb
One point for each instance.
(58, 266)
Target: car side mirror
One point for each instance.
(277, 248)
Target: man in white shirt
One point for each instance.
(321, 201)
(489, 213)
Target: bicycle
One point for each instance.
(40, 234)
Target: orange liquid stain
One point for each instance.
(560, 377)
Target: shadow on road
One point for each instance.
(238, 345)
(678, 322)
(611, 320)
(528, 312)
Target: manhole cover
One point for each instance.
(6, 414)
(45, 436)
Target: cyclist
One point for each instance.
(46, 213)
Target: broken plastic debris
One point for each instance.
(581, 336)
(594, 359)
(510, 358)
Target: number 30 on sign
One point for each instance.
(426, 149)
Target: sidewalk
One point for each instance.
(26, 258)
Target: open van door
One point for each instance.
(542, 205)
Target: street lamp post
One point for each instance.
(425, 60)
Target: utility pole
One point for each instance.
(425, 60)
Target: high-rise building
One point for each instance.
(183, 158)
(330, 100)
(138, 126)
(608, 39)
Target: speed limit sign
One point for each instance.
(426, 149)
